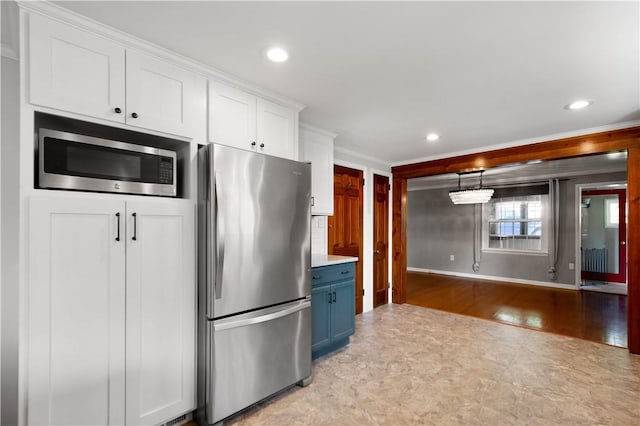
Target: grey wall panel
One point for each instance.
(437, 229)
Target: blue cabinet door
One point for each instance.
(343, 312)
(320, 312)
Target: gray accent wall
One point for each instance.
(437, 229)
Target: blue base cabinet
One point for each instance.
(332, 307)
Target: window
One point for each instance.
(611, 213)
(515, 224)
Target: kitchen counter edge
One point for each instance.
(318, 260)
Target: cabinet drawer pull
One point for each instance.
(118, 218)
(344, 272)
(135, 226)
(117, 110)
(134, 114)
(317, 277)
(253, 144)
(261, 145)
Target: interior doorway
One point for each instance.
(346, 224)
(602, 237)
(380, 240)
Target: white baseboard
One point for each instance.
(495, 278)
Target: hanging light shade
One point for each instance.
(477, 195)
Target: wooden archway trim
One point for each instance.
(596, 143)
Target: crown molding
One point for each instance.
(82, 22)
(315, 129)
(362, 156)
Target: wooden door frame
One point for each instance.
(595, 143)
(363, 169)
(389, 176)
(622, 234)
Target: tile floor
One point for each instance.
(412, 365)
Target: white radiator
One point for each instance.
(594, 260)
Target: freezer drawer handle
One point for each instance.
(227, 324)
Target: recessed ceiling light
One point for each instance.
(579, 104)
(433, 137)
(277, 54)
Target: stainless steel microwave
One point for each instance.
(72, 161)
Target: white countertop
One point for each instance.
(329, 259)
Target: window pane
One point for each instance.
(515, 223)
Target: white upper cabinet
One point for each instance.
(242, 120)
(76, 71)
(162, 96)
(232, 116)
(317, 148)
(276, 129)
(81, 72)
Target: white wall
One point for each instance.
(9, 217)
(369, 166)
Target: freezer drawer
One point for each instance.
(256, 355)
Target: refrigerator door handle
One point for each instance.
(232, 323)
(219, 237)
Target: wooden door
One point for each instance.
(345, 226)
(73, 70)
(612, 238)
(380, 240)
(76, 308)
(161, 310)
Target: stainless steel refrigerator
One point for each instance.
(254, 278)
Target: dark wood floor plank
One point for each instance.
(599, 317)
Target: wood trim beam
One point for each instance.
(399, 241)
(596, 143)
(633, 249)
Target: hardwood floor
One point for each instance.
(599, 317)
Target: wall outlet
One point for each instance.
(572, 266)
(452, 257)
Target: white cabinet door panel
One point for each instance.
(276, 129)
(163, 96)
(74, 70)
(76, 302)
(318, 150)
(232, 116)
(160, 311)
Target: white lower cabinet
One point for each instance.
(111, 318)
(160, 311)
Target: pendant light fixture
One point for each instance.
(474, 195)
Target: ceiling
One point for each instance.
(384, 74)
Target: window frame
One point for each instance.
(544, 234)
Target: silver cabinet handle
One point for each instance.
(233, 323)
(219, 236)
